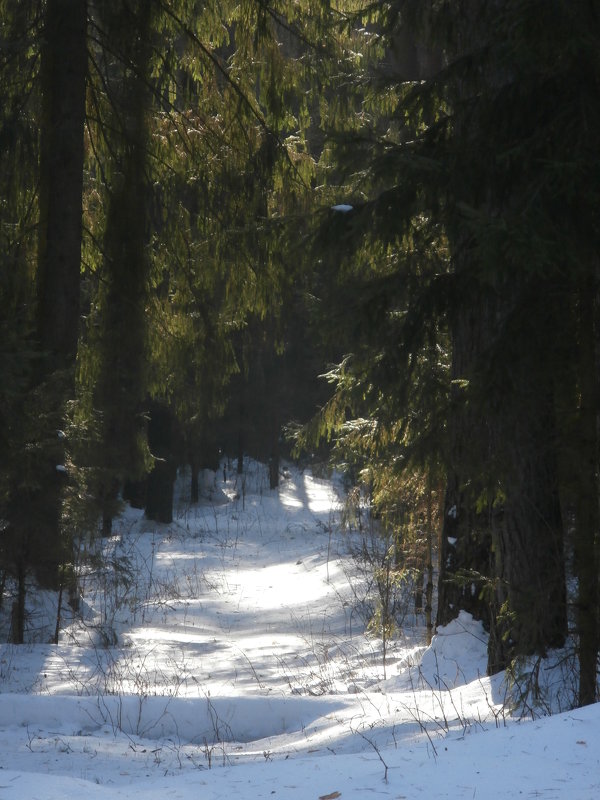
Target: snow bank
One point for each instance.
(457, 654)
(239, 637)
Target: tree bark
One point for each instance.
(465, 547)
(241, 437)
(429, 564)
(587, 522)
(122, 301)
(159, 483)
(159, 498)
(63, 77)
(18, 610)
(501, 554)
(528, 549)
(275, 450)
(528, 532)
(194, 488)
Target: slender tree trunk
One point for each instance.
(274, 457)
(160, 480)
(63, 81)
(241, 437)
(429, 567)
(63, 75)
(108, 495)
(121, 382)
(418, 594)
(18, 610)
(587, 524)
(107, 523)
(58, 613)
(194, 487)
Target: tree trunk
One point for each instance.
(18, 610)
(63, 75)
(274, 458)
(528, 548)
(501, 553)
(241, 439)
(159, 499)
(134, 492)
(587, 523)
(465, 547)
(194, 487)
(159, 483)
(108, 497)
(58, 613)
(107, 523)
(528, 529)
(63, 81)
(429, 564)
(122, 300)
(465, 555)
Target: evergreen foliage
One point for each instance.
(211, 204)
(487, 166)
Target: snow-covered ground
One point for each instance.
(224, 656)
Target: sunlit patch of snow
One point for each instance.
(320, 494)
(457, 655)
(289, 498)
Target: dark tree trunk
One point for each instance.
(275, 455)
(240, 442)
(194, 487)
(122, 337)
(465, 547)
(501, 555)
(465, 555)
(109, 498)
(58, 613)
(134, 492)
(274, 471)
(418, 595)
(159, 483)
(528, 530)
(587, 523)
(63, 71)
(528, 548)
(63, 81)
(18, 610)
(159, 498)
(107, 523)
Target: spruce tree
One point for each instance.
(467, 193)
(37, 481)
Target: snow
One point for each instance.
(224, 657)
(458, 655)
